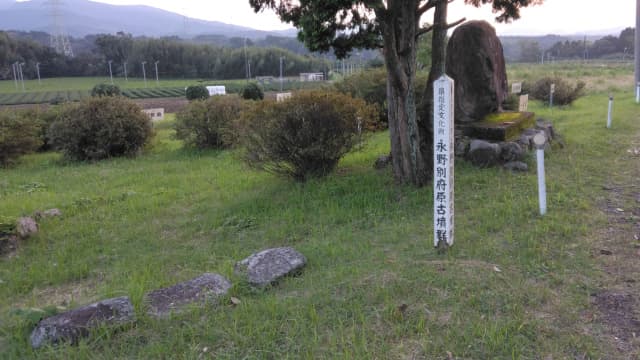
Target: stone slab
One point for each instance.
(506, 126)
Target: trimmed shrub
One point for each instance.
(207, 124)
(105, 90)
(252, 91)
(306, 135)
(20, 134)
(99, 128)
(564, 94)
(197, 92)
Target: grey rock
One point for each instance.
(475, 60)
(26, 227)
(516, 166)
(511, 151)
(382, 162)
(52, 213)
(483, 153)
(72, 325)
(205, 288)
(267, 266)
(546, 126)
(462, 146)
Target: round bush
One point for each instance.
(564, 94)
(197, 92)
(105, 90)
(20, 133)
(305, 136)
(207, 124)
(99, 128)
(252, 92)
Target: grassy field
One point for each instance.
(74, 89)
(514, 286)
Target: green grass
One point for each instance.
(134, 225)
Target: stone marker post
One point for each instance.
(609, 112)
(516, 88)
(443, 156)
(523, 106)
(540, 140)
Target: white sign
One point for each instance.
(155, 114)
(553, 88)
(524, 103)
(443, 156)
(216, 90)
(516, 88)
(282, 96)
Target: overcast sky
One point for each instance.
(553, 17)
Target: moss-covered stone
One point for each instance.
(505, 126)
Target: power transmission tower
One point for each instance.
(59, 38)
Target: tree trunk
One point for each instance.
(400, 28)
(438, 59)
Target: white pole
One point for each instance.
(38, 71)
(144, 74)
(21, 75)
(157, 78)
(540, 140)
(14, 68)
(610, 111)
(110, 73)
(125, 72)
(551, 91)
(281, 73)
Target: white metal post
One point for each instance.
(157, 77)
(110, 72)
(144, 74)
(540, 141)
(14, 68)
(125, 72)
(38, 71)
(609, 113)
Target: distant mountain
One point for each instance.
(83, 17)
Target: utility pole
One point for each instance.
(144, 74)
(157, 78)
(281, 58)
(246, 61)
(125, 72)
(14, 68)
(21, 75)
(110, 72)
(38, 71)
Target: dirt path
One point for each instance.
(617, 303)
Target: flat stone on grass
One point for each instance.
(267, 266)
(205, 288)
(74, 324)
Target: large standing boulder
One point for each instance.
(72, 325)
(475, 60)
(267, 266)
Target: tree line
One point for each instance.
(176, 58)
(609, 46)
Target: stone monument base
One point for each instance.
(505, 126)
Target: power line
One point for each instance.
(59, 38)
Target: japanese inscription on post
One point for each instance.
(443, 156)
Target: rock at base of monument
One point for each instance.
(268, 266)
(516, 166)
(72, 325)
(511, 151)
(505, 126)
(205, 288)
(483, 153)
